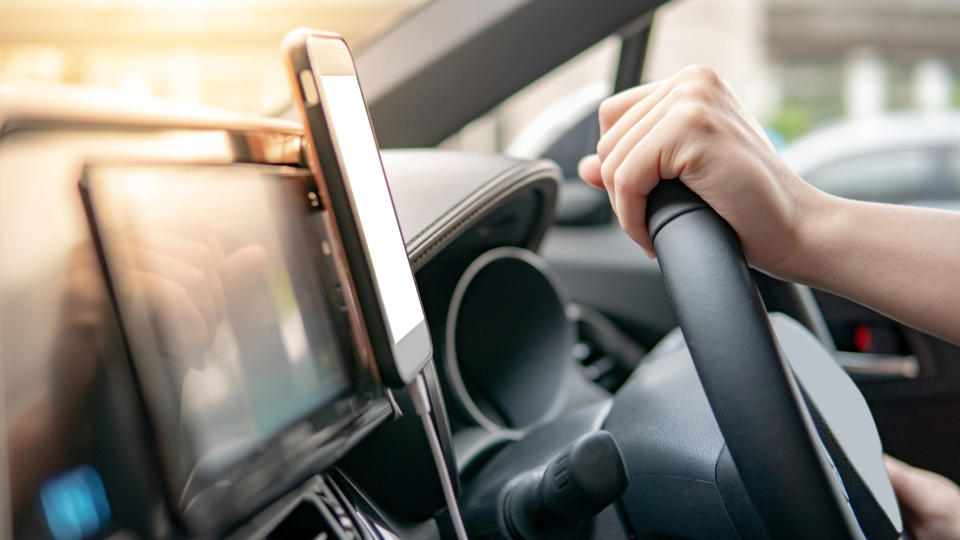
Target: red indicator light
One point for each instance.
(863, 338)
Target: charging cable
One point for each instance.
(421, 402)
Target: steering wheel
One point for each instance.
(766, 418)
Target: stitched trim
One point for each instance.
(420, 255)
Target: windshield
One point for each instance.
(220, 53)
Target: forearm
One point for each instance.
(902, 261)
(899, 260)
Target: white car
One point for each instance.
(897, 158)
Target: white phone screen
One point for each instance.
(376, 215)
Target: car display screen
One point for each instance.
(371, 196)
(221, 291)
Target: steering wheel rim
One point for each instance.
(754, 395)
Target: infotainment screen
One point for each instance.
(229, 303)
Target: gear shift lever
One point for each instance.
(579, 482)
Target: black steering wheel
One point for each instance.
(765, 417)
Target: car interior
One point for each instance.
(577, 388)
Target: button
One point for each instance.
(75, 504)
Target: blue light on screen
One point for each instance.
(75, 504)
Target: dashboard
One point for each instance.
(255, 439)
(285, 432)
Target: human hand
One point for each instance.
(186, 281)
(930, 502)
(692, 127)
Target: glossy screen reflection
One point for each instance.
(218, 285)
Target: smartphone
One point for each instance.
(343, 154)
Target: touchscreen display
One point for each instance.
(223, 299)
(375, 213)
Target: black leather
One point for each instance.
(753, 393)
(683, 481)
(439, 193)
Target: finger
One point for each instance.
(634, 135)
(196, 253)
(915, 488)
(633, 221)
(193, 280)
(589, 170)
(243, 268)
(690, 98)
(636, 112)
(614, 106)
(609, 188)
(212, 242)
(635, 178)
(183, 327)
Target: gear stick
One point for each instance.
(576, 485)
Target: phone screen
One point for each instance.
(350, 124)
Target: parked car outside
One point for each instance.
(895, 158)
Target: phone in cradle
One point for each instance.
(344, 155)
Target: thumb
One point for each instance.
(244, 267)
(909, 487)
(921, 492)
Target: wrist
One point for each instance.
(818, 220)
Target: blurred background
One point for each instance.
(860, 95)
(223, 53)
(797, 64)
(873, 78)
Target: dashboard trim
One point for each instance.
(451, 364)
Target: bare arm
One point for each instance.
(901, 261)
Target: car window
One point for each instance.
(577, 82)
(888, 176)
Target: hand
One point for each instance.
(930, 502)
(692, 127)
(186, 280)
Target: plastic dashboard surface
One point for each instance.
(439, 194)
(453, 206)
(443, 198)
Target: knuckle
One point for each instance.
(704, 75)
(693, 92)
(631, 182)
(695, 117)
(195, 280)
(178, 295)
(622, 180)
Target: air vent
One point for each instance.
(605, 353)
(320, 515)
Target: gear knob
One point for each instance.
(577, 484)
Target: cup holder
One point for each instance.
(508, 342)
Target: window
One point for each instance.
(580, 82)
